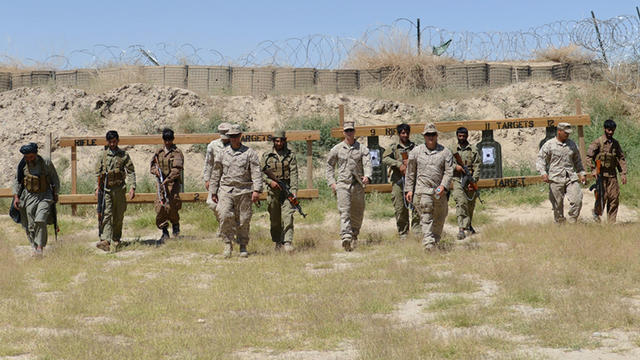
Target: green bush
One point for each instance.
(314, 122)
(187, 123)
(89, 118)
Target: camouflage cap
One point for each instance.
(349, 125)
(279, 134)
(235, 129)
(429, 128)
(566, 127)
(224, 127)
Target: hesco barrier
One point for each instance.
(5, 81)
(252, 81)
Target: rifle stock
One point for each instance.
(598, 189)
(162, 190)
(467, 179)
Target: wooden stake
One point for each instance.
(74, 177)
(309, 165)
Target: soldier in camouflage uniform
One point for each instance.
(608, 151)
(465, 198)
(396, 158)
(560, 166)
(35, 192)
(116, 164)
(236, 183)
(281, 161)
(213, 147)
(354, 172)
(429, 173)
(168, 161)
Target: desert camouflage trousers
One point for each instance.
(351, 209)
(611, 199)
(433, 213)
(169, 212)
(235, 217)
(573, 192)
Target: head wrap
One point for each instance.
(30, 148)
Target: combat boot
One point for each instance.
(278, 246)
(228, 248)
(461, 234)
(176, 229)
(115, 246)
(346, 244)
(165, 235)
(288, 247)
(596, 217)
(103, 245)
(243, 251)
(472, 230)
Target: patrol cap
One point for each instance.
(566, 127)
(235, 129)
(30, 148)
(429, 128)
(349, 125)
(222, 130)
(279, 134)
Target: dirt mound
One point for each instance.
(30, 114)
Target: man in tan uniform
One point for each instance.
(236, 183)
(465, 198)
(354, 172)
(35, 192)
(396, 158)
(166, 165)
(429, 173)
(560, 166)
(116, 164)
(608, 151)
(281, 162)
(212, 148)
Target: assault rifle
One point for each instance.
(407, 204)
(286, 190)
(102, 200)
(54, 213)
(598, 188)
(467, 179)
(162, 191)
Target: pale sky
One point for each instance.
(36, 30)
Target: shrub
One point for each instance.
(91, 119)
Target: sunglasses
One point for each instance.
(350, 130)
(234, 135)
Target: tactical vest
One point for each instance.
(608, 160)
(280, 168)
(165, 163)
(116, 174)
(35, 183)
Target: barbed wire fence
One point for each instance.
(616, 40)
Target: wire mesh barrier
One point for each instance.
(265, 80)
(618, 42)
(614, 42)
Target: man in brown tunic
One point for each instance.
(166, 165)
(608, 151)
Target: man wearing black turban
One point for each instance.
(35, 191)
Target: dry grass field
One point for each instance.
(517, 290)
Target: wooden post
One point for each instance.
(341, 109)
(581, 145)
(309, 165)
(74, 177)
(49, 144)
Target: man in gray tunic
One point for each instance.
(428, 176)
(35, 192)
(560, 166)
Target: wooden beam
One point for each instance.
(294, 135)
(449, 126)
(144, 198)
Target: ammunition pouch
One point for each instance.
(115, 178)
(34, 183)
